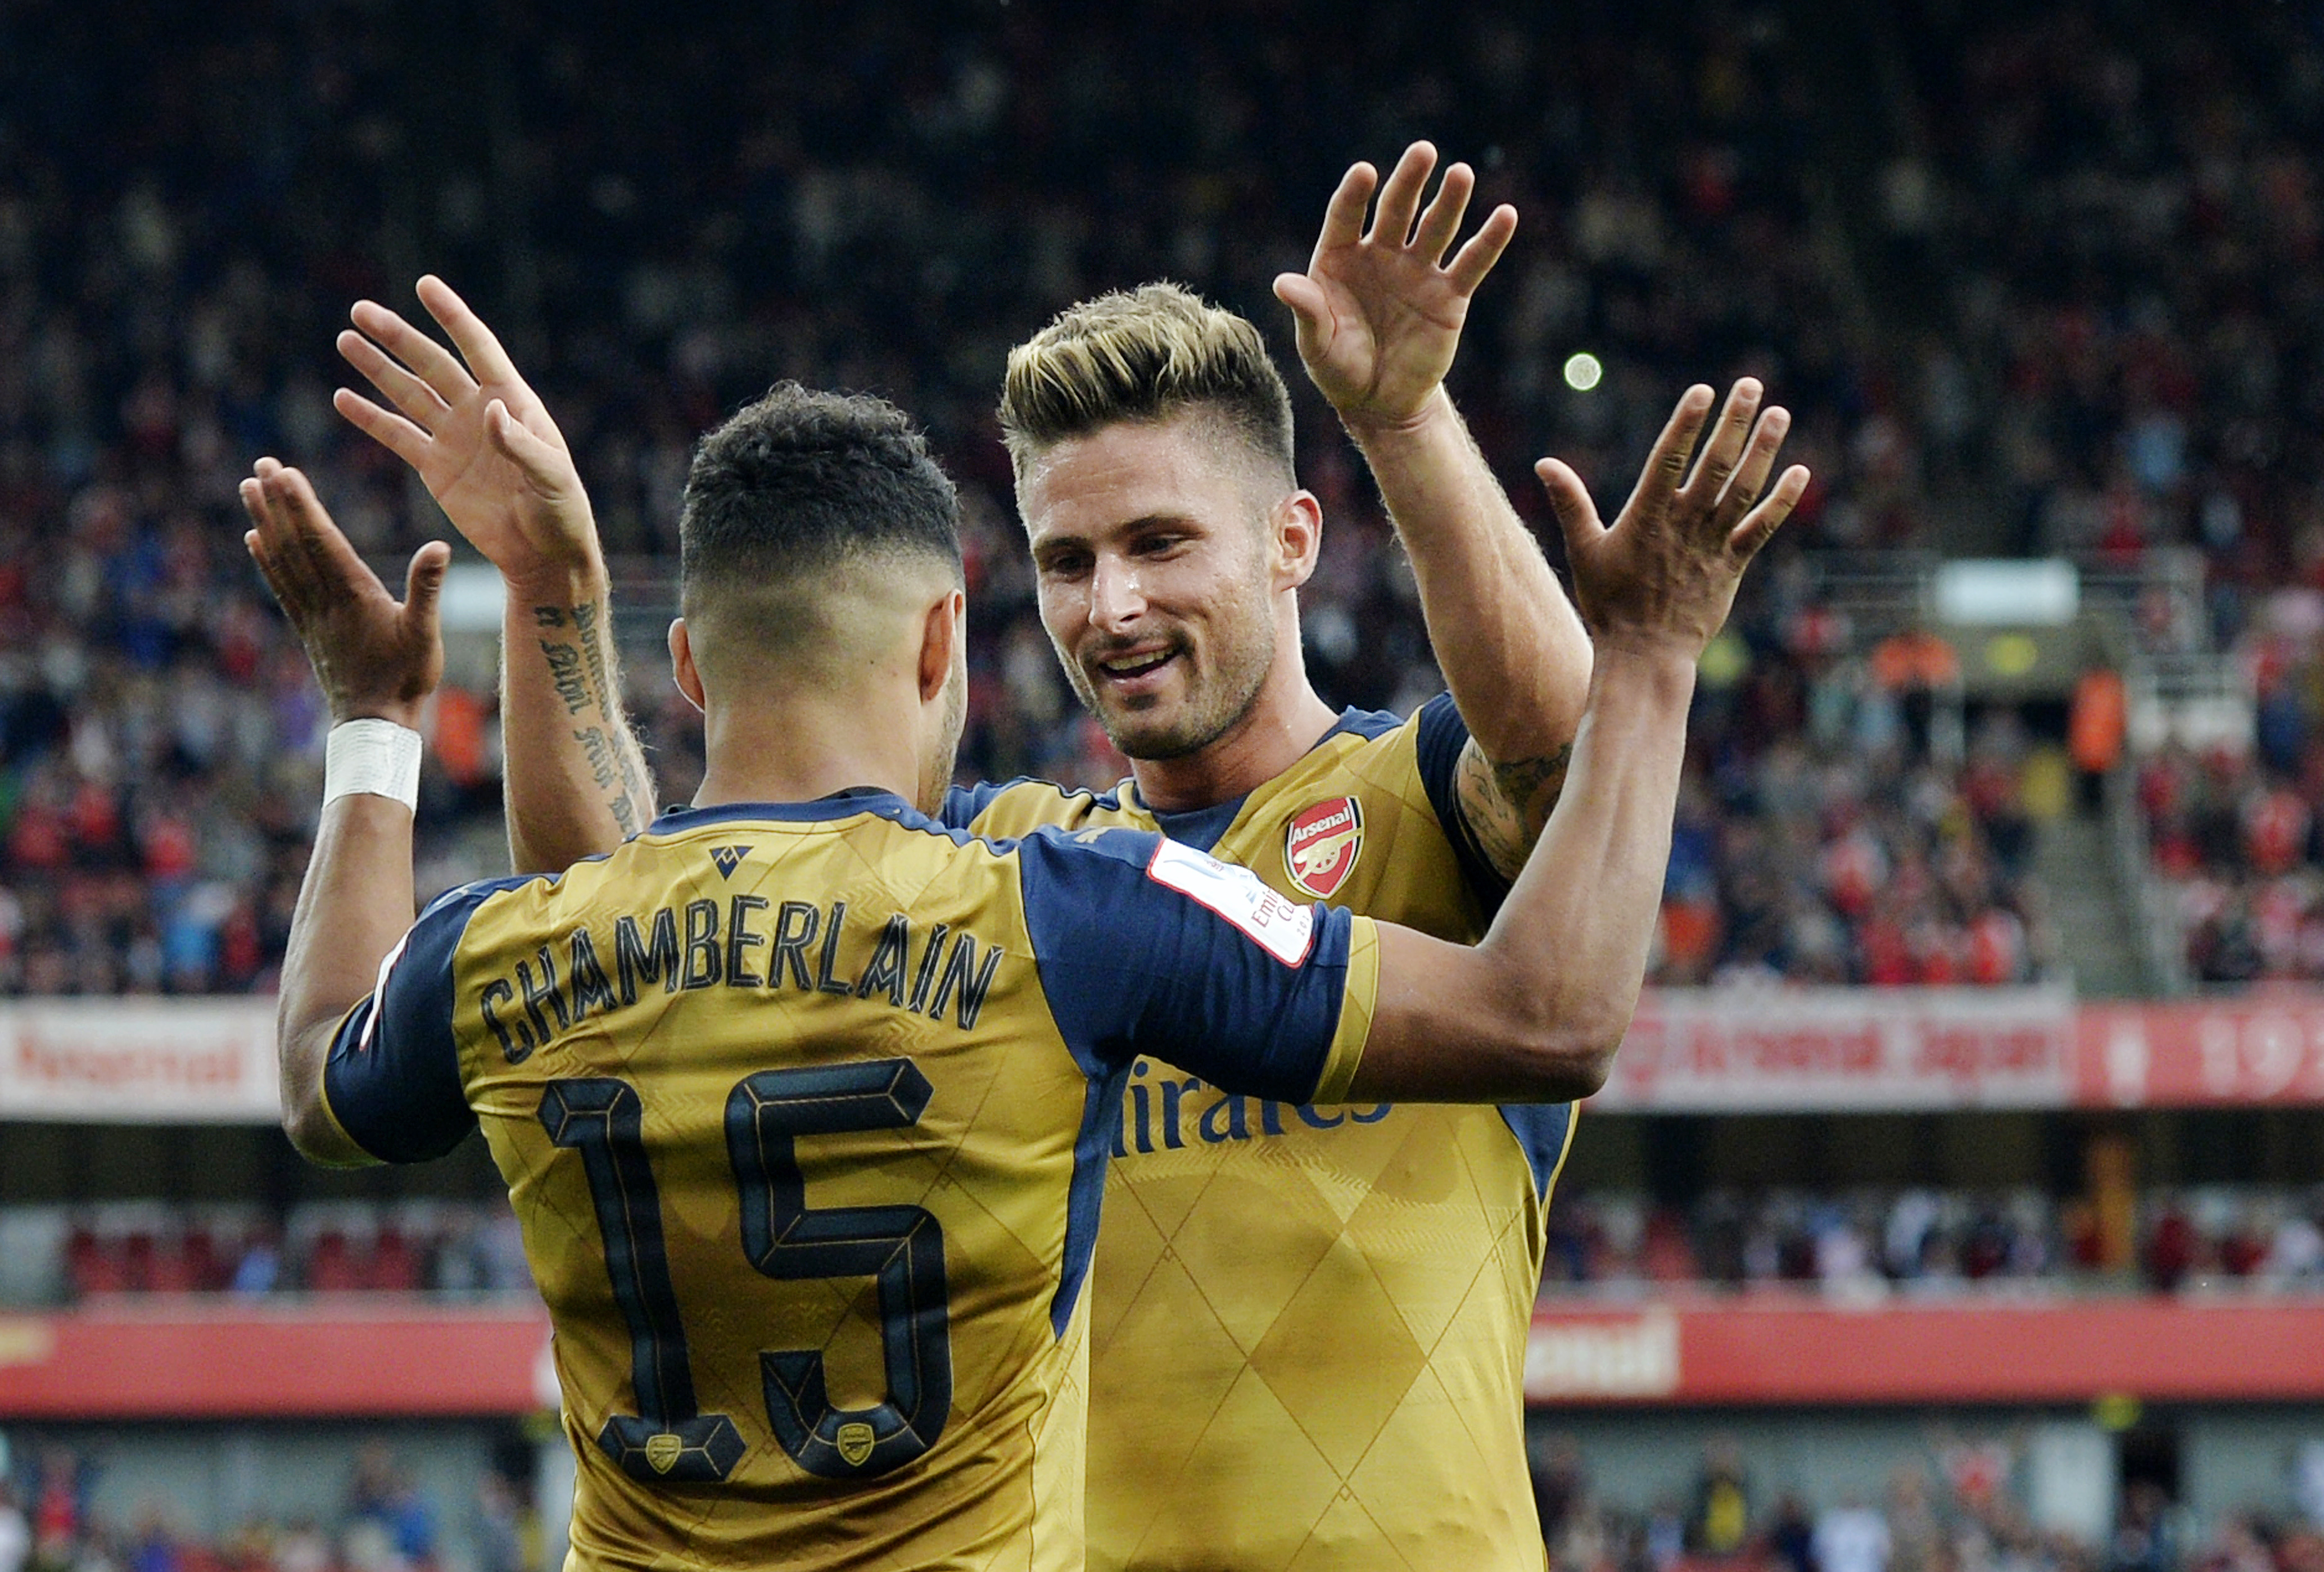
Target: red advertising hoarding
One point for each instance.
(1799, 1349)
(1728, 1050)
(184, 1358)
(1819, 1050)
(173, 1358)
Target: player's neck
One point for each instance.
(798, 752)
(1286, 719)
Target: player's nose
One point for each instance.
(1116, 599)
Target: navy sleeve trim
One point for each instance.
(393, 1078)
(1442, 735)
(1131, 965)
(962, 804)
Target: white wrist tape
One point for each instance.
(377, 756)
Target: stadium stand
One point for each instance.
(165, 320)
(1925, 1241)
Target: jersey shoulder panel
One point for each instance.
(1440, 736)
(1006, 811)
(1146, 946)
(392, 1079)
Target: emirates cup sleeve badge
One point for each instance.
(1320, 845)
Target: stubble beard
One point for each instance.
(1211, 708)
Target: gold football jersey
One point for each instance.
(805, 1110)
(1308, 1322)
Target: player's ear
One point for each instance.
(943, 643)
(1295, 529)
(681, 664)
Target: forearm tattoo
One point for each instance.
(583, 675)
(1507, 802)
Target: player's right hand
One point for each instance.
(1380, 312)
(374, 657)
(1665, 576)
(476, 433)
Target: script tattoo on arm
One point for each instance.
(1507, 802)
(589, 623)
(583, 676)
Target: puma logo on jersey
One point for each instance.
(728, 859)
(1320, 844)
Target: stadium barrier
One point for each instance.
(349, 1358)
(1711, 1050)
(1803, 1349)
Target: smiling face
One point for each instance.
(1159, 571)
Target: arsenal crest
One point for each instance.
(1320, 844)
(855, 1441)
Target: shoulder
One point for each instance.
(1014, 807)
(1135, 886)
(1371, 725)
(445, 920)
(1401, 751)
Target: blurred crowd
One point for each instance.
(384, 1522)
(1963, 1511)
(452, 1248)
(2082, 305)
(1935, 1243)
(2116, 217)
(2235, 831)
(1841, 822)
(1918, 1241)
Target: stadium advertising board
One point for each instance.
(185, 1359)
(1802, 1348)
(1735, 1049)
(1834, 1050)
(1711, 1050)
(366, 1357)
(114, 1060)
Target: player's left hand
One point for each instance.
(373, 657)
(1665, 576)
(1380, 314)
(476, 433)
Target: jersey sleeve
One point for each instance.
(1147, 946)
(962, 804)
(1442, 735)
(392, 1079)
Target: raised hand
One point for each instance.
(1666, 573)
(1380, 312)
(478, 435)
(373, 657)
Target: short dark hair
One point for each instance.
(804, 479)
(1143, 356)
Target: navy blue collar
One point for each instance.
(839, 804)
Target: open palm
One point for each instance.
(1380, 313)
(478, 435)
(373, 655)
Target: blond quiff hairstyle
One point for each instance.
(1142, 355)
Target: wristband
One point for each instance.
(377, 756)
